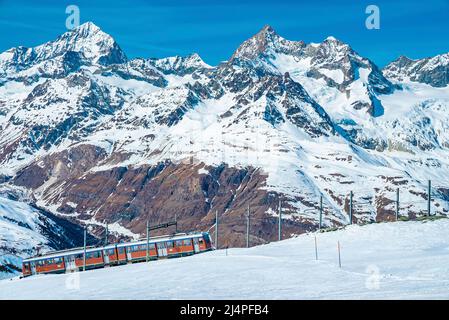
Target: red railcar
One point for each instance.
(115, 254)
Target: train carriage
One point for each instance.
(115, 254)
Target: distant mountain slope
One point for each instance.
(26, 231)
(99, 138)
(433, 70)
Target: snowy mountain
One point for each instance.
(83, 45)
(370, 269)
(97, 138)
(433, 71)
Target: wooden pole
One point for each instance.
(397, 204)
(321, 211)
(216, 229)
(429, 189)
(280, 222)
(84, 255)
(106, 235)
(339, 256)
(350, 207)
(247, 228)
(148, 242)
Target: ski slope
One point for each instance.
(400, 260)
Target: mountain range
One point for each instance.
(93, 137)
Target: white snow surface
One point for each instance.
(399, 260)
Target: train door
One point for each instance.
(161, 249)
(106, 256)
(33, 267)
(196, 245)
(70, 264)
(128, 253)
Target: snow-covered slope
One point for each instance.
(97, 137)
(400, 260)
(26, 231)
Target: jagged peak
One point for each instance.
(265, 39)
(179, 64)
(88, 26)
(267, 30)
(331, 40)
(87, 39)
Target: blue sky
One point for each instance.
(214, 29)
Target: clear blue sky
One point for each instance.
(214, 29)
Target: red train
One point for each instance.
(115, 254)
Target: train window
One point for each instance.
(169, 244)
(109, 252)
(179, 243)
(187, 242)
(121, 250)
(95, 254)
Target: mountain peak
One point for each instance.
(334, 42)
(331, 38)
(92, 42)
(267, 30)
(86, 29)
(265, 39)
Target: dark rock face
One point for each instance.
(162, 192)
(71, 162)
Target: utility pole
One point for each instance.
(176, 221)
(350, 207)
(429, 197)
(216, 229)
(84, 256)
(280, 222)
(397, 204)
(106, 235)
(321, 211)
(316, 250)
(339, 257)
(247, 228)
(148, 242)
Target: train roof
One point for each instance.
(80, 250)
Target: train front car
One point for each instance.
(205, 244)
(50, 264)
(26, 269)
